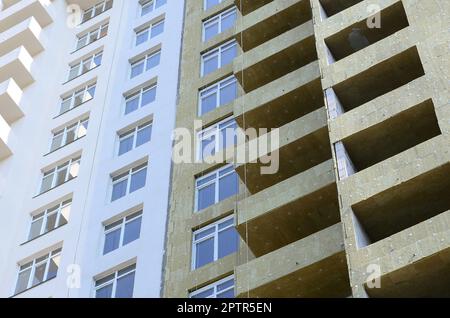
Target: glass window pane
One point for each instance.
(119, 190)
(138, 180)
(208, 103)
(206, 197)
(51, 221)
(131, 105)
(74, 71)
(56, 142)
(35, 229)
(74, 169)
(70, 135)
(125, 286)
(210, 64)
(132, 231)
(225, 285)
(228, 186)
(229, 54)
(228, 242)
(53, 267)
(137, 69)
(112, 241)
(64, 215)
(204, 233)
(147, 8)
(126, 144)
(141, 37)
(208, 146)
(39, 273)
(153, 60)
(211, 30)
(228, 93)
(157, 29)
(82, 129)
(104, 292)
(160, 3)
(149, 96)
(47, 182)
(144, 135)
(65, 105)
(205, 294)
(204, 253)
(226, 294)
(22, 281)
(228, 21)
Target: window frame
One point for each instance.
(217, 87)
(148, 29)
(85, 65)
(88, 36)
(44, 215)
(105, 6)
(64, 131)
(122, 226)
(150, 3)
(72, 97)
(139, 94)
(55, 170)
(214, 286)
(130, 269)
(214, 130)
(219, 17)
(127, 175)
(134, 132)
(214, 235)
(216, 52)
(144, 60)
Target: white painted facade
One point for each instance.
(43, 47)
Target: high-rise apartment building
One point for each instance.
(88, 100)
(340, 187)
(359, 205)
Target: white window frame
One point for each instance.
(215, 88)
(45, 215)
(64, 132)
(214, 287)
(217, 52)
(216, 181)
(33, 264)
(144, 60)
(134, 132)
(96, 10)
(84, 91)
(126, 176)
(219, 17)
(147, 29)
(205, 2)
(85, 65)
(213, 130)
(88, 36)
(54, 172)
(138, 94)
(214, 235)
(114, 279)
(123, 222)
(150, 3)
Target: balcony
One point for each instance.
(282, 101)
(311, 267)
(276, 57)
(303, 144)
(290, 210)
(247, 6)
(17, 65)
(26, 34)
(274, 18)
(10, 97)
(23, 10)
(332, 7)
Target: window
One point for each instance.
(140, 99)
(96, 10)
(49, 219)
(69, 134)
(85, 65)
(38, 271)
(218, 24)
(77, 98)
(119, 284)
(145, 63)
(214, 242)
(122, 232)
(217, 137)
(128, 182)
(149, 32)
(210, 3)
(60, 174)
(218, 94)
(218, 57)
(150, 5)
(92, 36)
(223, 288)
(215, 187)
(135, 138)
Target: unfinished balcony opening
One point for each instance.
(247, 6)
(428, 277)
(392, 136)
(404, 205)
(277, 23)
(291, 103)
(332, 7)
(297, 153)
(380, 79)
(285, 224)
(358, 36)
(276, 65)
